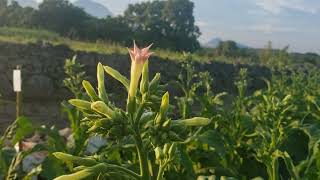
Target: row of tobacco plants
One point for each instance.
(271, 134)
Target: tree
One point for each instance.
(168, 23)
(266, 54)
(62, 17)
(3, 4)
(112, 29)
(15, 15)
(228, 48)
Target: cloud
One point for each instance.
(202, 23)
(269, 28)
(278, 6)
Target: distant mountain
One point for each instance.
(93, 8)
(27, 3)
(213, 43)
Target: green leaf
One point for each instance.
(290, 166)
(52, 167)
(24, 128)
(213, 139)
(116, 75)
(33, 173)
(154, 82)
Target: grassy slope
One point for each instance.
(25, 36)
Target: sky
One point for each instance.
(253, 22)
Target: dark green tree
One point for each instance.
(62, 17)
(15, 15)
(112, 29)
(169, 23)
(227, 48)
(3, 4)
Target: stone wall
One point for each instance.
(42, 69)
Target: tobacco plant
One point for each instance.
(73, 82)
(147, 140)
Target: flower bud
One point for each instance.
(75, 159)
(166, 148)
(90, 90)
(172, 150)
(81, 104)
(144, 84)
(102, 108)
(154, 82)
(138, 58)
(158, 152)
(166, 124)
(101, 87)
(196, 121)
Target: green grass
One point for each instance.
(25, 36)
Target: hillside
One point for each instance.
(213, 43)
(93, 8)
(25, 36)
(251, 56)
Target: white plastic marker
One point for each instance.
(17, 80)
(17, 88)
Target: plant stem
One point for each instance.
(272, 169)
(125, 170)
(161, 170)
(143, 158)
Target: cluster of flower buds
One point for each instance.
(167, 153)
(100, 115)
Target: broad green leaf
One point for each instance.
(24, 127)
(52, 167)
(213, 139)
(290, 166)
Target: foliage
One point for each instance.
(26, 36)
(169, 23)
(271, 134)
(144, 131)
(15, 15)
(228, 48)
(73, 81)
(60, 16)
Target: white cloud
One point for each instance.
(278, 6)
(202, 23)
(269, 28)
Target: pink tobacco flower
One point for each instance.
(138, 58)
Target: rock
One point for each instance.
(33, 160)
(95, 143)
